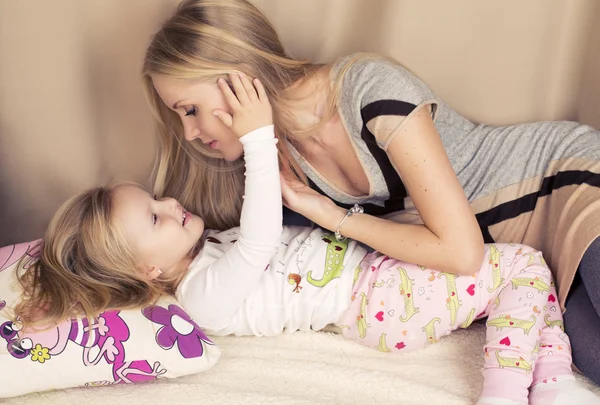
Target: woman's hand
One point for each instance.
(304, 200)
(249, 105)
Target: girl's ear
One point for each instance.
(152, 273)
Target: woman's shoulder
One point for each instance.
(367, 66)
(364, 78)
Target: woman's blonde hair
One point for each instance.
(205, 40)
(86, 266)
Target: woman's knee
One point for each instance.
(589, 267)
(589, 273)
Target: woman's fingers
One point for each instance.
(286, 190)
(224, 116)
(297, 185)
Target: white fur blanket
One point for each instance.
(309, 368)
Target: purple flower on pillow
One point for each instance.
(178, 327)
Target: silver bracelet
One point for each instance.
(357, 209)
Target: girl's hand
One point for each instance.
(249, 105)
(304, 200)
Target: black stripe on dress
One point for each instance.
(393, 182)
(371, 209)
(527, 203)
(385, 107)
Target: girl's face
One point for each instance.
(161, 231)
(194, 103)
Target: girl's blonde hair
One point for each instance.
(205, 40)
(86, 266)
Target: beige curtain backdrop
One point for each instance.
(72, 112)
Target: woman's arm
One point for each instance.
(449, 239)
(395, 106)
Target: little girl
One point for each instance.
(261, 279)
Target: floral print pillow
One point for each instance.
(118, 347)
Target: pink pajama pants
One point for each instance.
(398, 306)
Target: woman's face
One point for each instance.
(194, 103)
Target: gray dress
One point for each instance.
(535, 184)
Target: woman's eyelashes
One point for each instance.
(191, 111)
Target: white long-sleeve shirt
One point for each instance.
(261, 278)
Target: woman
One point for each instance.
(363, 130)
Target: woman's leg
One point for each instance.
(589, 270)
(582, 316)
(582, 323)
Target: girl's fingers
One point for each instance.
(262, 94)
(240, 91)
(229, 96)
(250, 90)
(224, 116)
